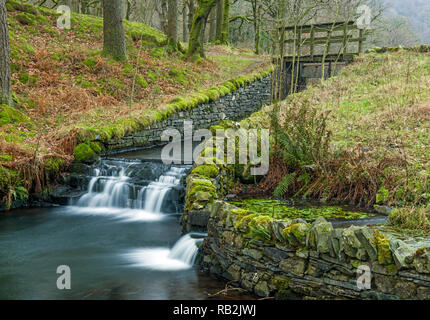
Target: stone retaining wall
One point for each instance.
(233, 106)
(294, 259)
(314, 261)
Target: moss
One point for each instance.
(90, 62)
(28, 79)
(157, 53)
(5, 157)
(141, 82)
(84, 153)
(213, 94)
(26, 18)
(296, 234)
(383, 195)
(210, 171)
(200, 191)
(53, 166)
(10, 115)
(23, 7)
(382, 244)
(257, 226)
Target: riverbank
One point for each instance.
(67, 93)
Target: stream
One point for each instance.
(121, 240)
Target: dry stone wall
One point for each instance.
(234, 106)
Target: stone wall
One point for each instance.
(233, 106)
(314, 261)
(294, 259)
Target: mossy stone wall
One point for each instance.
(233, 106)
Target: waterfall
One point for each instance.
(140, 191)
(118, 187)
(181, 257)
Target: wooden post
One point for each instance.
(360, 42)
(328, 42)
(345, 32)
(312, 41)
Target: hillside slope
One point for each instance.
(362, 137)
(63, 85)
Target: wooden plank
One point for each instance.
(318, 58)
(323, 40)
(312, 41)
(322, 27)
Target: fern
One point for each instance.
(282, 188)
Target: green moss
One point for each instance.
(383, 195)
(23, 7)
(382, 244)
(26, 18)
(157, 53)
(84, 153)
(54, 165)
(10, 115)
(141, 82)
(210, 171)
(28, 79)
(90, 62)
(5, 157)
(296, 234)
(282, 210)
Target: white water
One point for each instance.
(181, 257)
(113, 192)
(110, 192)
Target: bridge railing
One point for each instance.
(308, 37)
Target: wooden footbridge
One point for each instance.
(317, 51)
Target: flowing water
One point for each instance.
(121, 240)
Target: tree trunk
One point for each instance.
(113, 30)
(5, 96)
(225, 22)
(219, 18)
(212, 24)
(195, 46)
(184, 24)
(172, 22)
(191, 11)
(163, 17)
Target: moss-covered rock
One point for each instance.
(210, 171)
(382, 244)
(296, 234)
(84, 153)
